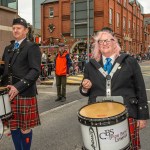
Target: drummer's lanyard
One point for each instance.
(109, 77)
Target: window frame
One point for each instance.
(118, 20)
(110, 16)
(51, 10)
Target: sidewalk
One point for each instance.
(76, 79)
(71, 80)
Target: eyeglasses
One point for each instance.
(105, 41)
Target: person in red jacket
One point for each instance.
(62, 64)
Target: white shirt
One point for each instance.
(44, 57)
(19, 41)
(112, 59)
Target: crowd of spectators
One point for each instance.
(140, 57)
(77, 64)
(78, 61)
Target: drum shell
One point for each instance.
(103, 133)
(1, 129)
(5, 106)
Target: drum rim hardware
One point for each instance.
(128, 147)
(102, 121)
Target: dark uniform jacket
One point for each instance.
(127, 82)
(22, 67)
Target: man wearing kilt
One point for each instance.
(127, 81)
(21, 70)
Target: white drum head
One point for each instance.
(1, 129)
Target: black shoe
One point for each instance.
(63, 99)
(58, 99)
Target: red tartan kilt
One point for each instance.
(134, 134)
(25, 113)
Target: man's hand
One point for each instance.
(12, 91)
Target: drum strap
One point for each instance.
(105, 74)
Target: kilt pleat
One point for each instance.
(25, 113)
(134, 134)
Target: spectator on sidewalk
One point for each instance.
(49, 64)
(62, 64)
(21, 70)
(44, 58)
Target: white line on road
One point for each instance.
(54, 109)
(42, 92)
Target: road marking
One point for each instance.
(147, 89)
(145, 66)
(42, 92)
(146, 75)
(148, 101)
(59, 107)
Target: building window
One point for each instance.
(134, 10)
(118, 19)
(110, 16)
(124, 23)
(9, 3)
(134, 26)
(145, 37)
(51, 12)
(138, 29)
(129, 24)
(125, 3)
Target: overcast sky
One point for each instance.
(146, 5)
(25, 8)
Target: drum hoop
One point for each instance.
(6, 116)
(128, 147)
(3, 91)
(102, 121)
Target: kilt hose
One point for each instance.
(134, 134)
(24, 113)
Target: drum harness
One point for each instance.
(108, 77)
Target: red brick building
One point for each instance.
(7, 15)
(73, 20)
(146, 35)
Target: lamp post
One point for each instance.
(88, 30)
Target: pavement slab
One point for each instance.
(71, 80)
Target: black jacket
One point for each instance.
(127, 82)
(22, 67)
